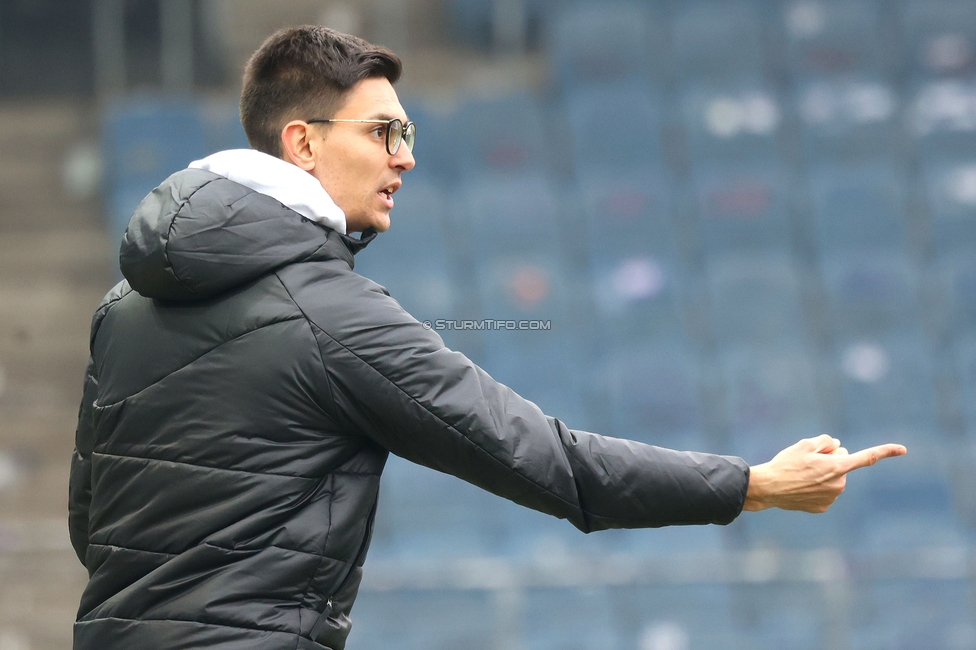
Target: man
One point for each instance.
(246, 386)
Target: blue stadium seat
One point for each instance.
(913, 614)
(785, 530)
(869, 294)
(964, 365)
(950, 190)
(743, 208)
(887, 382)
(687, 616)
(957, 295)
(423, 619)
(858, 208)
(655, 395)
(598, 43)
(524, 286)
(832, 37)
(506, 215)
(940, 117)
(770, 399)
(554, 620)
(717, 40)
(499, 136)
(629, 214)
(755, 299)
(615, 129)
(848, 117)
(774, 616)
(638, 299)
(731, 121)
(940, 37)
(436, 146)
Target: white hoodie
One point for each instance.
(289, 184)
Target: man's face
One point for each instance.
(351, 161)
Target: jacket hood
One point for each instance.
(227, 220)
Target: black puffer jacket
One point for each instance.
(238, 412)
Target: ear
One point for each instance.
(296, 144)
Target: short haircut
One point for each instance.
(305, 72)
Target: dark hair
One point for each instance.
(304, 72)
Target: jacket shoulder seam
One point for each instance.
(311, 327)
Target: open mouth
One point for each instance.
(386, 194)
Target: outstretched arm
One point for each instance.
(809, 475)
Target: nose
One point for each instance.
(403, 160)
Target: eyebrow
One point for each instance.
(384, 116)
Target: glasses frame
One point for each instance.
(392, 141)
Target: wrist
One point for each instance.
(757, 492)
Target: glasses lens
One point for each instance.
(409, 135)
(393, 135)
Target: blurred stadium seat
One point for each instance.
(940, 37)
(859, 207)
(638, 300)
(615, 129)
(718, 40)
(849, 117)
(611, 41)
(628, 214)
(942, 118)
(743, 208)
(956, 287)
(755, 299)
(655, 394)
(499, 136)
(558, 622)
(675, 616)
(771, 399)
(424, 619)
(832, 37)
(912, 614)
(731, 122)
(888, 382)
(950, 190)
(870, 293)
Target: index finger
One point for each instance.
(872, 455)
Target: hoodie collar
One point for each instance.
(280, 180)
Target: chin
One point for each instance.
(381, 224)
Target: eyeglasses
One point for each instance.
(396, 132)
